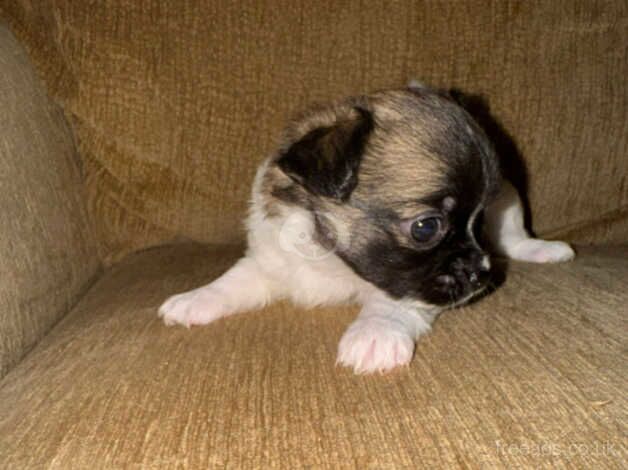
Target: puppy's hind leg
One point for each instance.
(508, 236)
(243, 287)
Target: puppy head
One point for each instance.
(396, 182)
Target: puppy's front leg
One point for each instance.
(508, 236)
(382, 337)
(243, 287)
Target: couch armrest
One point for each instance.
(47, 253)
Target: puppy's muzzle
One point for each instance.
(466, 275)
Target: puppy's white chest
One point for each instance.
(286, 249)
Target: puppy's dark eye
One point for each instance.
(426, 230)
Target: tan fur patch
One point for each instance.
(397, 168)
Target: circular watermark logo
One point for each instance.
(298, 235)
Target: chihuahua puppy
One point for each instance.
(381, 200)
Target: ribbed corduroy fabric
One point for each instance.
(174, 103)
(47, 253)
(533, 376)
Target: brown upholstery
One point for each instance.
(172, 104)
(168, 98)
(47, 253)
(540, 364)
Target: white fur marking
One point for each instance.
(382, 337)
(486, 263)
(506, 231)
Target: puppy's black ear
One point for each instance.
(326, 160)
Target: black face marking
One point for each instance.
(326, 160)
(441, 275)
(455, 268)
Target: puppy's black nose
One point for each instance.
(478, 278)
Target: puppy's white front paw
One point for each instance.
(196, 307)
(374, 345)
(534, 250)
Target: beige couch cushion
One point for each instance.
(47, 253)
(175, 103)
(533, 376)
